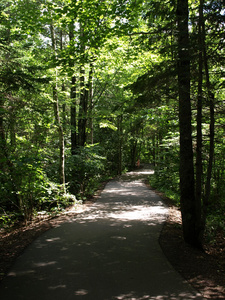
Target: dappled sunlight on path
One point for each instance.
(124, 201)
(109, 251)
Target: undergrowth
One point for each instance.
(168, 184)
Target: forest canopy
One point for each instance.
(89, 87)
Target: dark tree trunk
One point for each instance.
(63, 89)
(190, 215)
(120, 145)
(211, 151)
(73, 116)
(64, 119)
(61, 138)
(6, 165)
(2, 135)
(210, 97)
(73, 94)
(133, 153)
(90, 106)
(199, 113)
(82, 122)
(57, 119)
(82, 117)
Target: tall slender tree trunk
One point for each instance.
(64, 120)
(199, 113)
(211, 100)
(133, 153)
(189, 209)
(57, 118)
(82, 116)
(63, 89)
(73, 116)
(90, 106)
(2, 135)
(82, 119)
(6, 165)
(211, 149)
(154, 149)
(61, 137)
(73, 96)
(120, 132)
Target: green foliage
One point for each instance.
(30, 191)
(8, 219)
(215, 222)
(55, 198)
(109, 142)
(29, 180)
(166, 180)
(85, 170)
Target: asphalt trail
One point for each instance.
(110, 251)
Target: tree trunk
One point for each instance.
(133, 153)
(64, 120)
(211, 151)
(73, 94)
(119, 166)
(210, 97)
(73, 116)
(63, 89)
(199, 113)
(90, 100)
(3, 150)
(57, 119)
(189, 209)
(61, 137)
(82, 117)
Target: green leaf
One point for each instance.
(108, 125)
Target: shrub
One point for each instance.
(85, 170)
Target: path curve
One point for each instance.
(110, 251)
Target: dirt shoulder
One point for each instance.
(203, 270)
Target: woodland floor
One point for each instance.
(205, 271)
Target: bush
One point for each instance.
(26, 189)
(56, 198)
(215, 222)
(166, 180)
(85, 170)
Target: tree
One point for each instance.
(73, 92)
(199, 169)
(210, 97)
(57, 114)
(112, 82)
(190, 209)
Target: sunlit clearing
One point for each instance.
(132, 213)
(139, 213)
(146, 172)
(142, 172)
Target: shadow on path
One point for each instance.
(110, 251)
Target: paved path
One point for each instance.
(110, 251)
